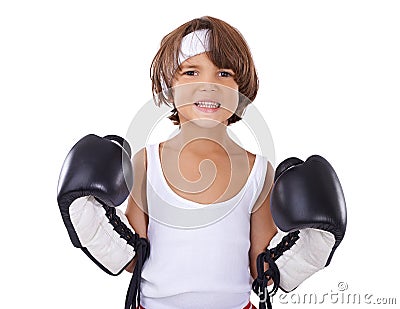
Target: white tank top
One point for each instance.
(199, 253)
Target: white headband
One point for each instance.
(194, 43)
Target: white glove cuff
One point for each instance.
(307, 256)
(98, 236)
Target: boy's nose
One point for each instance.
(208, 86)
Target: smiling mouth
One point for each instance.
(207, 104)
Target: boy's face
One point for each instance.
(203, 91)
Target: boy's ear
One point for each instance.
(166, 91)
(169, 94)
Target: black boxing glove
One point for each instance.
(309, 209)
(96, 177)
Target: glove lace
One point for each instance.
(269, 256)
(142, 249)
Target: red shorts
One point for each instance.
(248, 306)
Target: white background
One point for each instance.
(329, 84)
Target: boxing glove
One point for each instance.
(96, 177)
(308, 207)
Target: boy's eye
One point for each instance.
(225, 74)
(190, 73)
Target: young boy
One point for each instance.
(206, 226)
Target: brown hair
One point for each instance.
(228, 50)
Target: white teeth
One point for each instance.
(208, 104)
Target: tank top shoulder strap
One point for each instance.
(257, 180)
(152, 164)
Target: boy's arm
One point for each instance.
(262, 226)
(136, 211)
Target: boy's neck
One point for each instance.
(203, 140)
